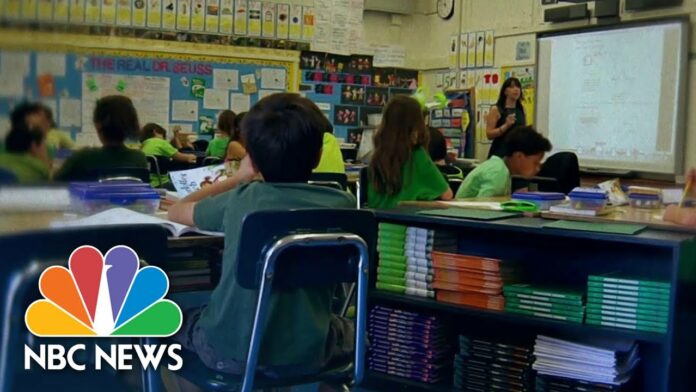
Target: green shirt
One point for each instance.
(25, 167)
(158, 147)
(298, 320)
(82, 163)
(58, 140)
(218, 147)
(421, 181)
(491, 178)
(331, 157)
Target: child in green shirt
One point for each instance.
(154, 142)
(218, 146)
(523, 148)
(400, 168)
(331, 157)
(26, 155)
(283, 136)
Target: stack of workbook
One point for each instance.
(557, 304)
(485, 365)
(408, 344)
(616, 301)
(405, 258)
(468, 280)
(599, 365)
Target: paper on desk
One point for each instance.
(484, 205)
(672, 196)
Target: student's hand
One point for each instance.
(680, 215)
(247, 171)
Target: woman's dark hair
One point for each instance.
(226, 122)
(116, 119)
(150, 130)
(402, 130)
(500, 103)
(237, 133)
(20, 139)
(18, 116)
(437, 146)
(283, 135)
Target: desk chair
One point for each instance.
(334, 180)
(207, 161)
(454, 184)
(23, 259)
(277, 248)
(564, 168)
(362, 187)
(534, 184)
(200, 145)
(159, 166)
(137, 173)
(7, 177)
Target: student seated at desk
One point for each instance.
(181, 141)
(40, 116)
(154, 142)
(115, 120)
(283, 134)
(683, 215)
(523, 150)
(400, 168)
(235, 148)
(438, 153)
(331, 156)
(218, 146)
(26, 155)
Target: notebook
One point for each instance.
(123, 216)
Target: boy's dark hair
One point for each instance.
(237, 134)
(117, 118)
(525, 140)
(437, 147)
(283, 135)
(226, 122)
(20, 112)
(150, 130)
(49, 115)
(20, 139)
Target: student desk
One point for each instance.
(626, 214)
(563, 258)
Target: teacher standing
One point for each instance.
(507, 113)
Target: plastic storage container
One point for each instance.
(92, 197)
(588, 198)
(639, 200)
(543, 200)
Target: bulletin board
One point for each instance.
(171, 84)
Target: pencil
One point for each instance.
(687, 189)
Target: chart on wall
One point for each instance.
(185, 91)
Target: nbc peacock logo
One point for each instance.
(103, 295)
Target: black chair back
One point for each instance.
(260, 230)
(565, 168)
(362, 189)
(200, 145)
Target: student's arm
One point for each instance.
(493, 184)
(448, 195)
(492, 131)
(181, 157)
(432, 183)
(182, 212)
(246, 173)
(65, 141)
(680, 215)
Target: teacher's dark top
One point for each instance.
(497, 145)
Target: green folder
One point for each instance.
(610, 228)
(465, 213)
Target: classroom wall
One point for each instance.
(520, 20)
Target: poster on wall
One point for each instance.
(226, 23)
(45, 11)
(13, 9)
(480, 47)
(183, 15)
(471, 50)
(92, 12)
(463, 45)
(295, 32)
(241, 16)
(308, 23)
(139, 13)
(169, 15)
(154, 13)
(29, 9)
(61, 10)
(268, 25)
(282, 21)
(108, 13)
(198, 15)
(453, 51)
(254, 26)
(123, 12)
(212, 16)
(526, 76)
(489, 50)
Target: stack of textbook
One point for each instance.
(557, 304)
(468, 280)
(638, 304)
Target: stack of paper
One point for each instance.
(405, 258)
(484, 365)
(617, 301)
(408, 344)
(468, 280)
(557, 304)
(602, 362)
